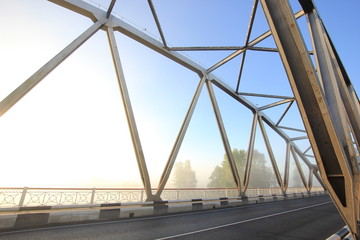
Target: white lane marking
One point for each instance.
(243, 221)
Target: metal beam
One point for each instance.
(130, 115)
(264, 95)
(299, 168)
(347, 93)
(293, 129)
(313, 108)
(252, 43)
(271, 154)
(111, 6)
(250, 152)
(39, 75)
(82, 8)
(153, 11)
(224, 137)
(170, 163)
(209, 48)
(94, 13)
(275, 104)
(141, 37)
(231, 92)
(287, 166)
(298, 138)
(326, 73)
(284, 113)
(252, 18)
(306, 150)
(155, 45)
(222, 48)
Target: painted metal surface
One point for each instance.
(317, 108)
(326, 100)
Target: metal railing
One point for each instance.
(28, 197)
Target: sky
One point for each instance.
(71, 131)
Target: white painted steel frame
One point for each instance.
(224, 137)
(121, 26)
(252, 18)
(129, 114)
(39, 75)
(250, 152)
(108, 22)
(169, 165)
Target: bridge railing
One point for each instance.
(29, 197)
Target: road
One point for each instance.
(307, 218)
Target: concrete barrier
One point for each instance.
(342, 234)
(31, 217)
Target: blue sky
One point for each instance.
(70, 130)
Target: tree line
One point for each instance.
(261, 175)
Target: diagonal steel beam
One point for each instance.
(298, 166)
(250, 152)
(287, 166)
(111, 6)
(352, 105)
(252, 18)
(252, 43)
(275, 104)
(329, 153)
(170, 163)
(293, 129)
(327, 75)
(129, 114)
(284, 113)
(271, 154)
(82, 8)
(153, 11)
(39, 75)
(224, 137)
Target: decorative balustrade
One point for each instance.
(25, 197)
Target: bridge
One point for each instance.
(291, 112)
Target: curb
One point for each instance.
(343, 233)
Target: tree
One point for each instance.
(296, 179)
(184, 176)
(260, 174)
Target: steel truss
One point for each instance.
(326, 99)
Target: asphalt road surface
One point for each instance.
(308, 218)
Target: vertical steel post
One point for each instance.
(23, 196)
(92, 196)
(129, 114)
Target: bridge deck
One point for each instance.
(307, 218)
